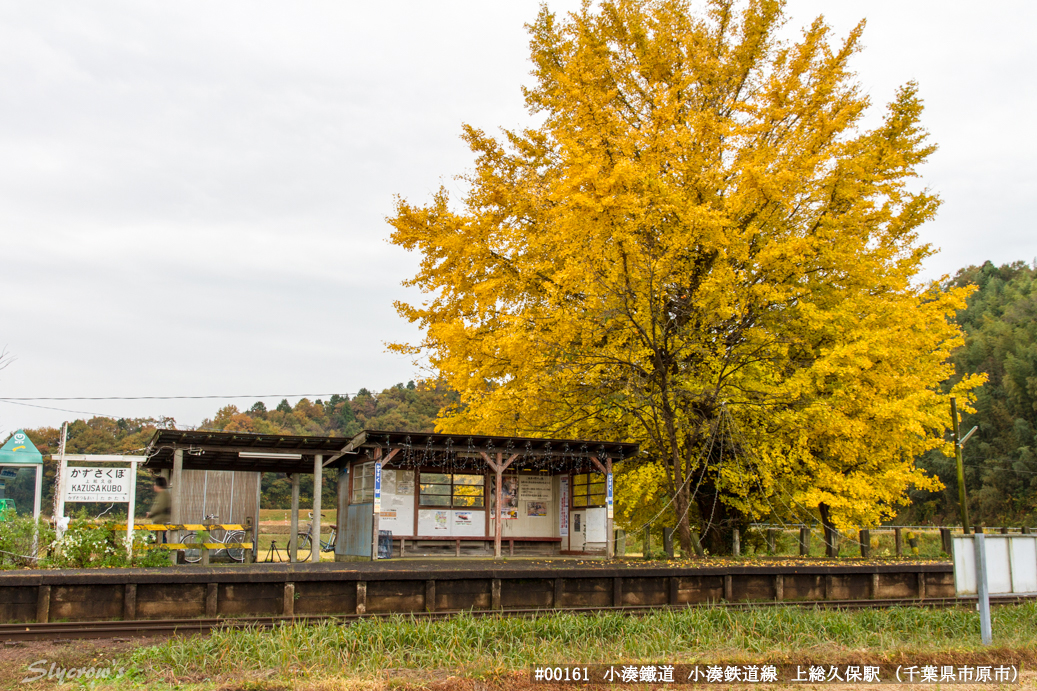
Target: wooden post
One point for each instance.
(129, 602)
(293, 530)
(729, 588)
(495, 594)
(212, 591)
(804, 541)
(498, 469)
(675, 590)
(779, 587)
(361, 597)
(430, 596)
(646, 543)
(736, 543)
(772, 535)
(829, 588)
(668, 542)
(176, 512)
(610, 535)
(963, 502)
(898, 539)
(288, 608)
(875, 586)
(131, 507)
(865, 540)
(43, 604)
(497, 526)
(318, 488)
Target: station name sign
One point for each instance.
(97, 484)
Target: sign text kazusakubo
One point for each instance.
(97, 484)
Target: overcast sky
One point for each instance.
(193, 195)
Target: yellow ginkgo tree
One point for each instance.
(698, 233)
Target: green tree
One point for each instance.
(1000, 323)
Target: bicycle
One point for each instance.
(193, 555)
(305, 540)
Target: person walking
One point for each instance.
(161, 507)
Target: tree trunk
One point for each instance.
(680, 504)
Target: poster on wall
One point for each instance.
(433, 522)
(389, 482)
(536, 508)
(405, 483)
(535, 487)
(509, 498)
(563, 507)
(469, 523)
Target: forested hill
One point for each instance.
(1000, 323)
(402, 407)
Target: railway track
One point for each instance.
(57, 631)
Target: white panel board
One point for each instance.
(596, 525)
(397, 512)
(434, 521)
(964, 566)
(468, 523)
(999, 571)
(1024, 564)
(1011, 564)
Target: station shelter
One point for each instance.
(220, 473)
(473, 494)
(435, 493)
(19, 452)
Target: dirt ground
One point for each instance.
(23, 660)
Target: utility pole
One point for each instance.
(958, 443)
(59, 483)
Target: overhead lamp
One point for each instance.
(267, 454)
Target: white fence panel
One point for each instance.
(1011, 564)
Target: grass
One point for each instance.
(489, 647)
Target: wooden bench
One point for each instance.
(470, 538)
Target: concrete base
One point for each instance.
(438, 585)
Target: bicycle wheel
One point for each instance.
(304, 550)
(192, 555)
(235, 537)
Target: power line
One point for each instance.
(64, 410)
(163, 398)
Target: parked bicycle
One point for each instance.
(305, 539)
(193, 555)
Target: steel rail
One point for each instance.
(165, 627)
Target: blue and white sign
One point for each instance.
(377, 488)
(608, 496)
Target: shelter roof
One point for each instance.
(285, 453)
(464, 451)
(268, 453)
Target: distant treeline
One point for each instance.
(402, 407)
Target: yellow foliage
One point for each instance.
(699, 225)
